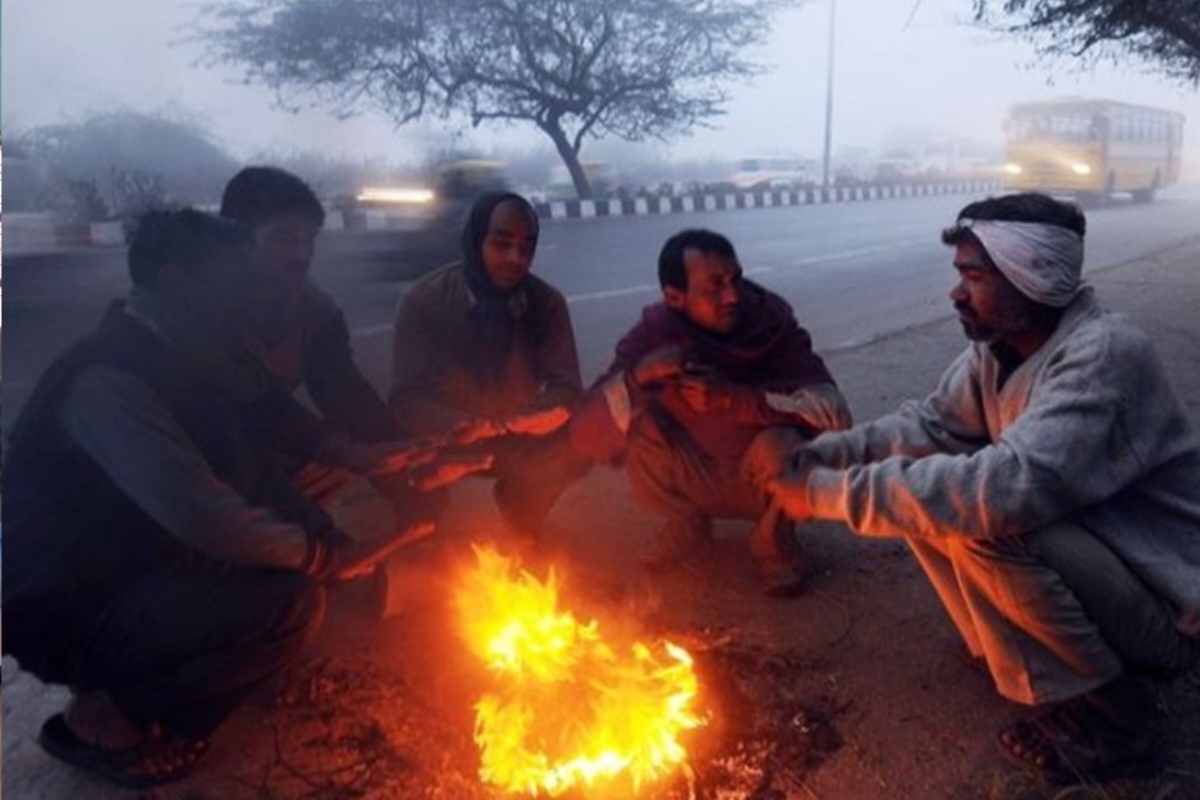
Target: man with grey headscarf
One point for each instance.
(1049, 488)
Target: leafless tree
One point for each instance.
(121, 161)
(576, 69)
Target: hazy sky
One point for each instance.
(65, 57)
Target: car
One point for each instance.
(421, 227)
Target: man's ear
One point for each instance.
(675, 298)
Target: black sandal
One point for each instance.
(159, 761)
(1073, 744)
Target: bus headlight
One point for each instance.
(1081, 169)
(1013, 168)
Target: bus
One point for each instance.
(1092, 149)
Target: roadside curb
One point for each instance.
(742, 200)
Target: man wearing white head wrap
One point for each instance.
(1043, 262)
(1049, 488)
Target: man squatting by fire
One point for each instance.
(161, 563)
(483, 351)
(300, 335)
(1050, 489)
(705, 396)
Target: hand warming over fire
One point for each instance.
(706, 395)
(475, 429)
(447, 469)
(345, 558)
(388, 457)
(789, 489)
(658, 366)
(538, 423)
(340, 450)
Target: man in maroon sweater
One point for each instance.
(705, 396)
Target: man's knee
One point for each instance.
(768, 453)
(648, 434)
(651, 447)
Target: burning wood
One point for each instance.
(567, 707)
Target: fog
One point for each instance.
(903, 69)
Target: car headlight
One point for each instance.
(1013, 169)
(404, 195)
(1081, 169)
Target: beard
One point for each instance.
(1005, 323)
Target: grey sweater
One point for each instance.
(1087, 429)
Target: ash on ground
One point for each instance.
(345, 728)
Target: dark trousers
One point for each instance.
(531, 474)
(184, 647)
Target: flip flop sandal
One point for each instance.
(1065, 749)
(150, 764)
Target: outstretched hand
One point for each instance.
(789, 489)
(350, 558)
(658, 366)
(538, 423)
(706, 391)
(389, 457)
(382, 458)
(447, 469)
(474, 429)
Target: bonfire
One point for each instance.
(570, 705)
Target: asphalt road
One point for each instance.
(853, 272)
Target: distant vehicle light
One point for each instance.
(1013, 169)
(377, 194)
(1081, 169)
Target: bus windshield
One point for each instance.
(1056, 126)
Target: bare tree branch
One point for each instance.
(576, 70)
(1163, 34)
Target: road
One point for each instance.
(853, 272)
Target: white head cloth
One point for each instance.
(1043, 261)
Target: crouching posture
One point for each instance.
(158, 563)
(706, 395)
(483, 356)
(1049, 487)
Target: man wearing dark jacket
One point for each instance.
(301, 336)
(482, 349)
(157, 562)
(705, 396)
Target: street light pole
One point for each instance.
(829, 100)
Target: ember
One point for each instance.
(567, 708)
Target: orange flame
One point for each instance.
(567, 709)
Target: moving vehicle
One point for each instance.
(1092, 149)
(422, 226)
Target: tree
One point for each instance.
(1165, 33)
(576, 69)
(130, 160)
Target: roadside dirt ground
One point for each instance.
(854, 691)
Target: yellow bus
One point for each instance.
(1092, 149)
